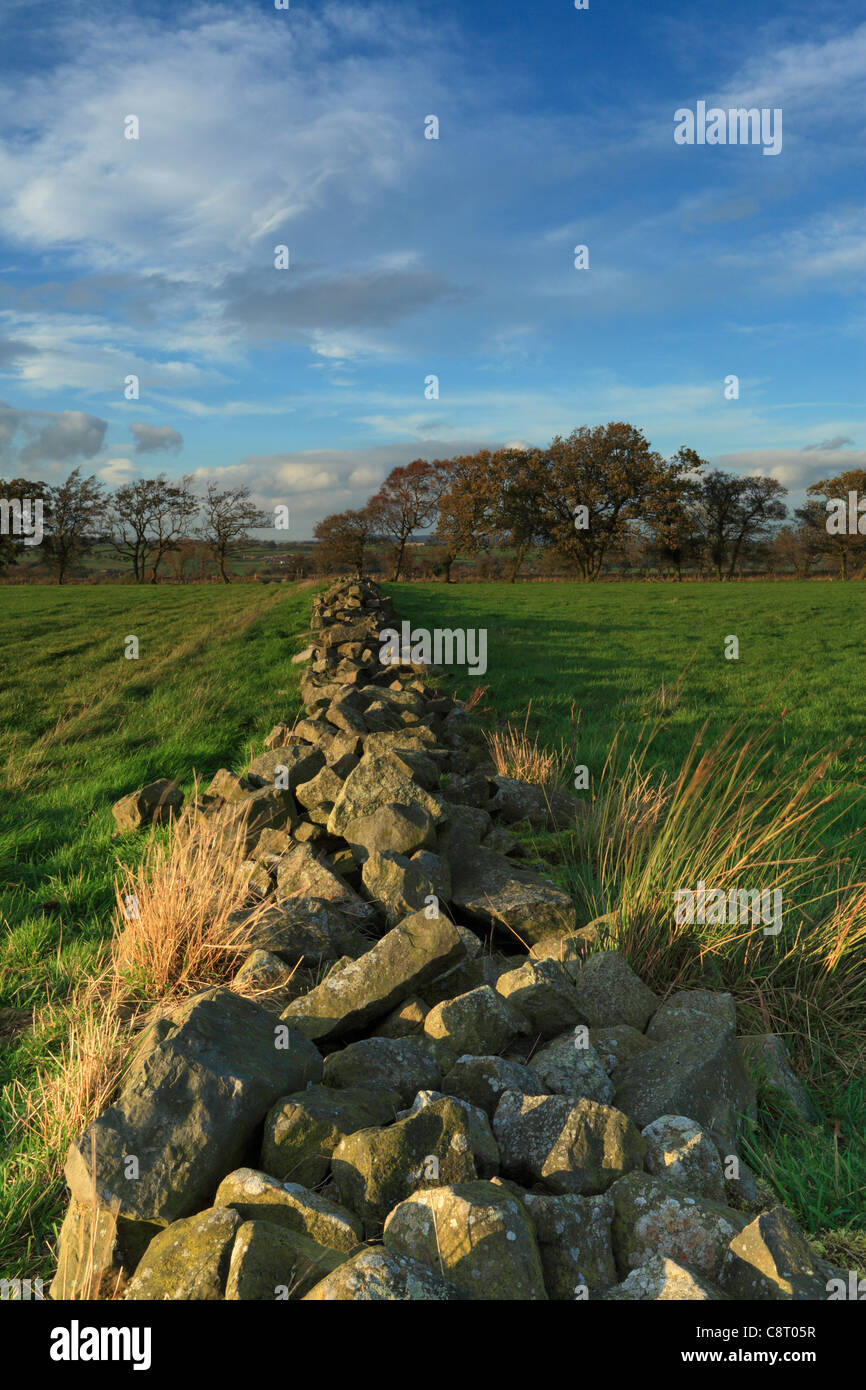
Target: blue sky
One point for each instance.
(411, 257)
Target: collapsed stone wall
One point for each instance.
(441, 1088)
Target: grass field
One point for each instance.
(81, 726)
(609, 651)
(595, 659)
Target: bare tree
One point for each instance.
(76, 512)
(228, 515)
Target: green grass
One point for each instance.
(82, 726)
(608, 649)
(616, 654)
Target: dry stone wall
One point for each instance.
(441, 1088)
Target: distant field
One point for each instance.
(610, 648)
(81, 726)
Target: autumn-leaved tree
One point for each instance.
(830, 529)
(599, 480)
(468, 508)
(342, 538)
(407, 502)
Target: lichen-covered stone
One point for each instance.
(680, 1151)
(477, 1234)
(662, 1279)
(374, 1169)
(771, 1259)
(485, 1150)
(273, 1262)
(403, 1066)
(189, 1260)
(653, 1217)
(617, 1043)
(256, 1196)
(151, 805)
(543, 992)
(482, 1081)
(767, 1061)
(480, 1023)
(491, 889)
(691, 1011)
(302, 1130)
(201, 1082)
(565, 1146)
(570, 1066)
(610, 992)
(573, 1234)
(399, 964)
(702, 1076)
(377, 1275)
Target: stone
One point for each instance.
(256, 1196)
(490, 889)
(766, 1059)
(303, 874)
(406, 1021)
(400, 963)
(403, 1066)
(479, 1022)
(573, 1235)
(198, 1087)
(482, 1081)
(264, 978)
(374, 1169)
(617, 1044)
(570, 950)
(770, 1259)
(610, 992)
(569, 1069)
(380, 779)
(309, 929)
(97, 1253)
(543, 992)
(703, 1077)
(477, 1234)
(539, 806)
(691, 1011)
(679, 1151)
(400, 886)
(189, 1260)
(485, 1150)
(274, 1262)
(654, 1217)
(376, 1275)
(227, 785)
(321, 791)
(662, 1279)
(154, 804)
(401, 829)
(564, 1146)
(302, 1130)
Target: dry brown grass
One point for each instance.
(176, 940)
(516, 753)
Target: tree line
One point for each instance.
(143, 522)
(597, 491)
(600, 492)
